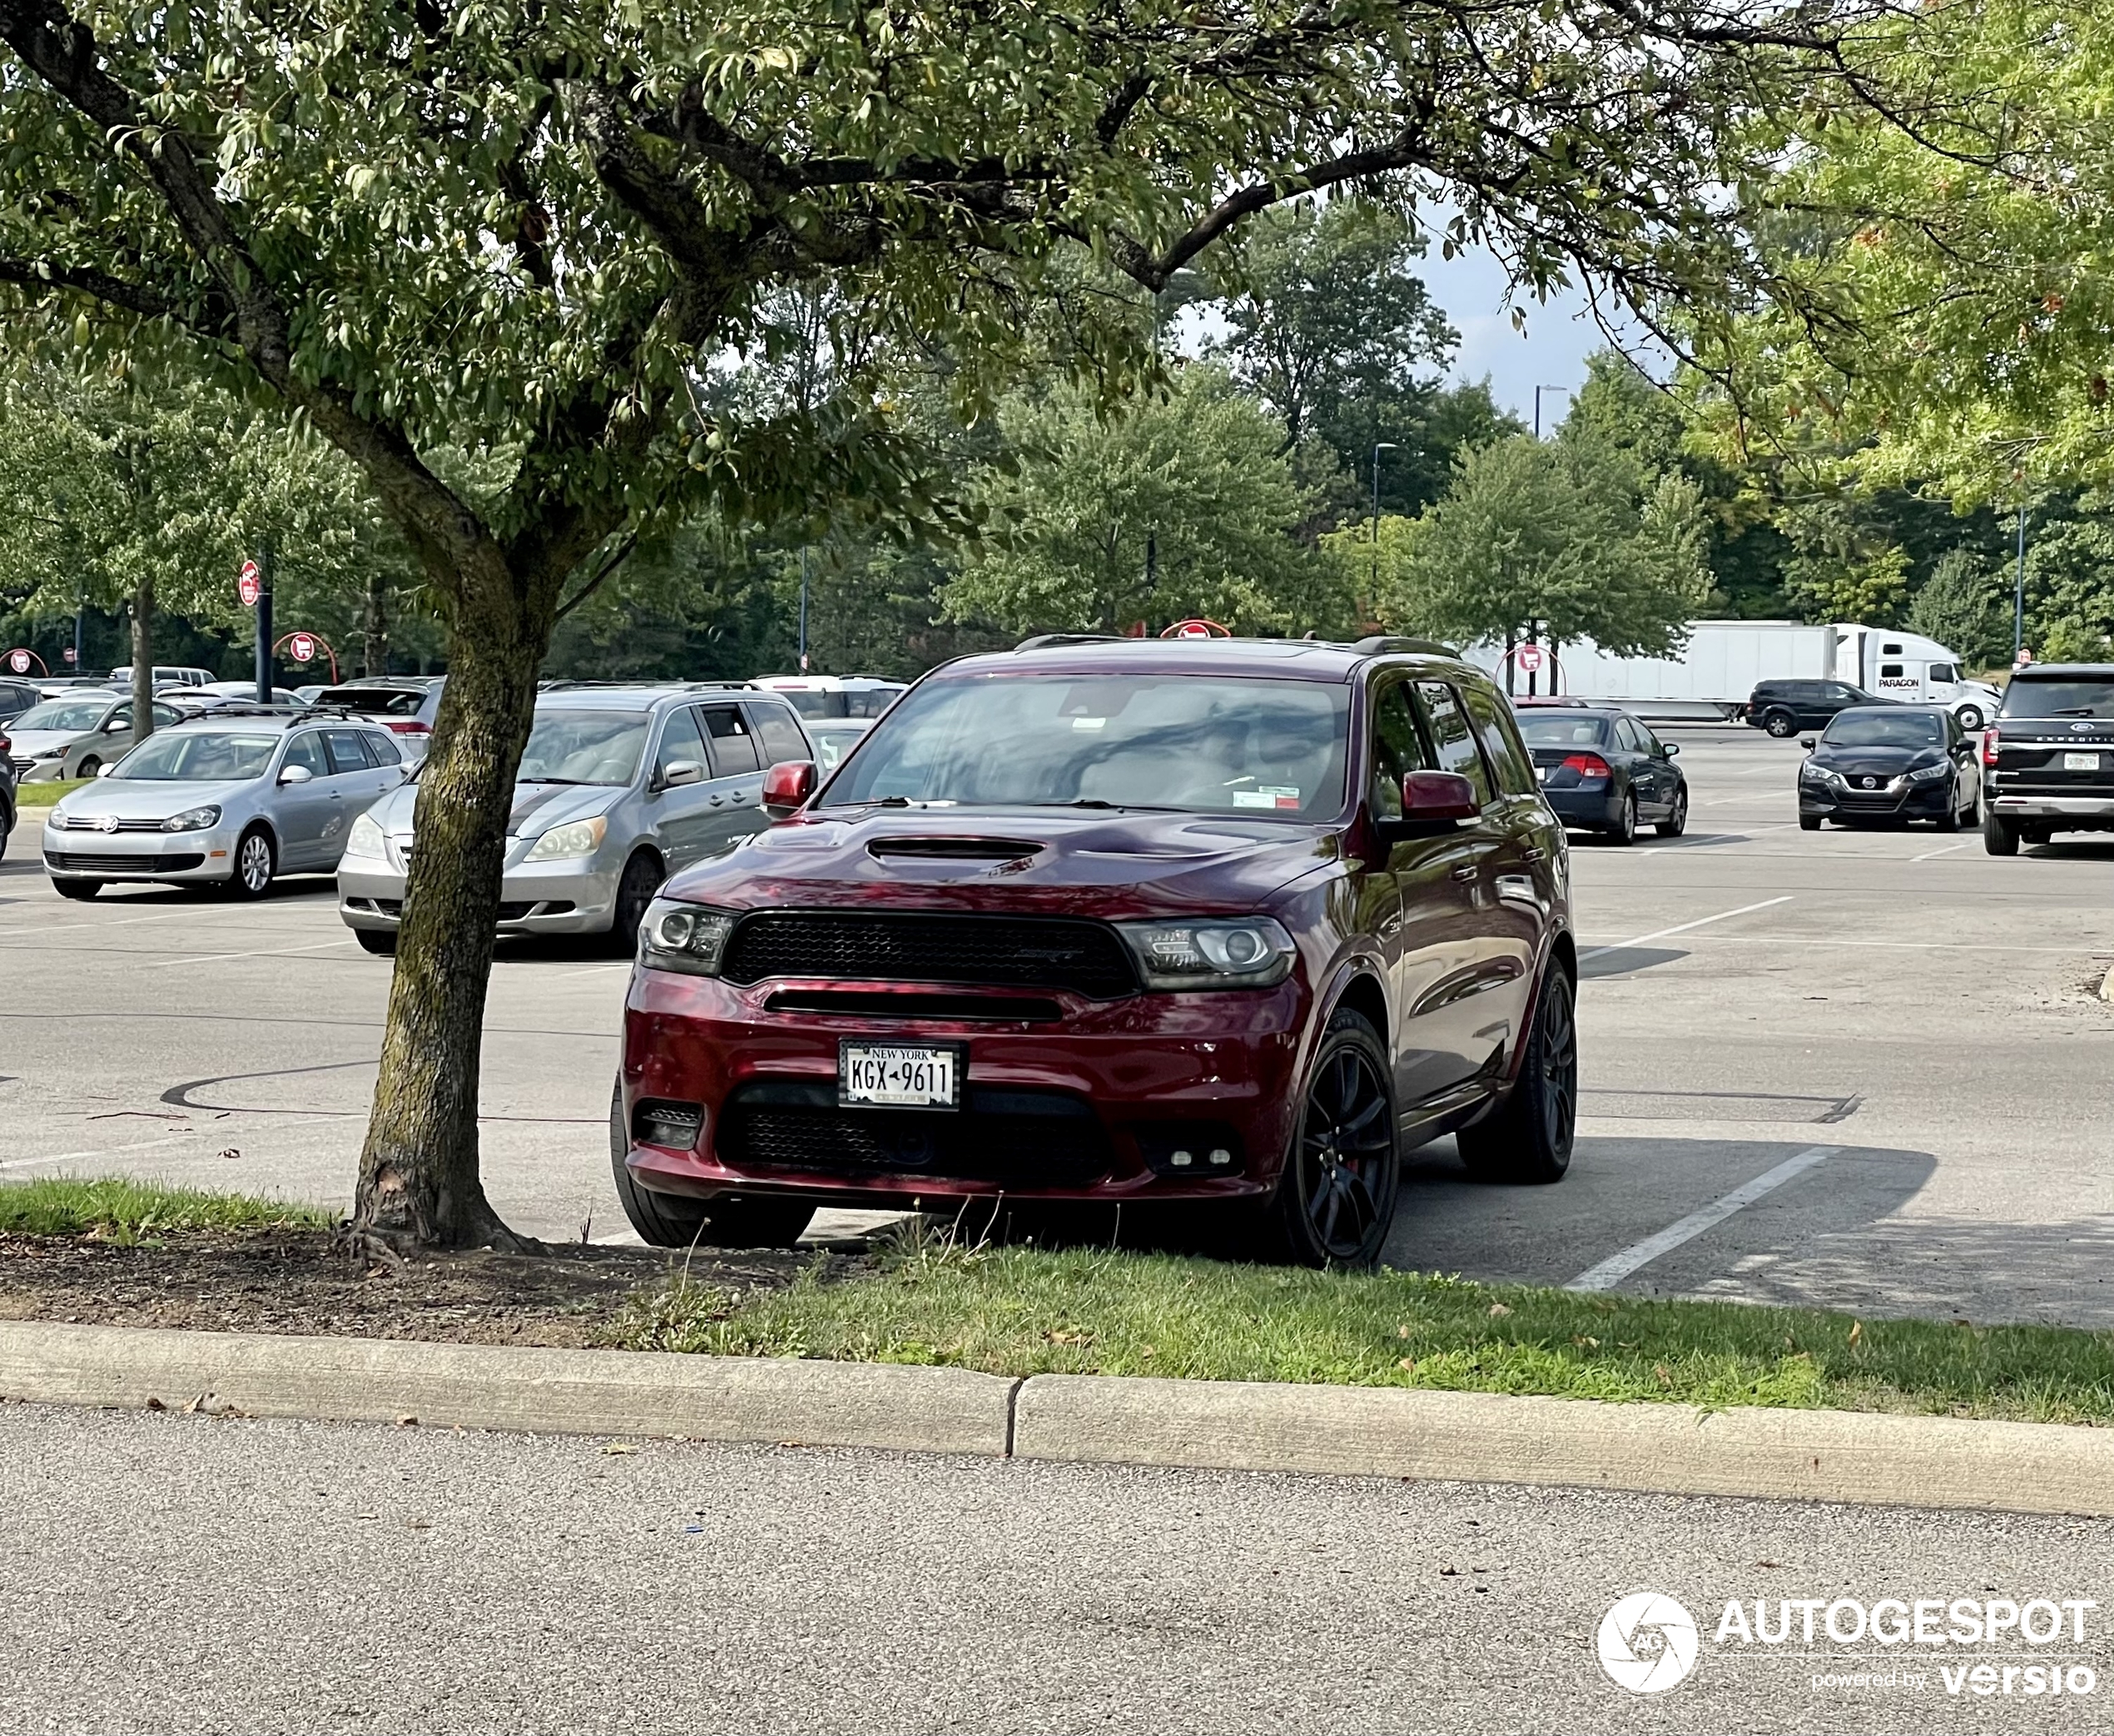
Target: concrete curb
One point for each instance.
(1829, 1456)
(563, 1391)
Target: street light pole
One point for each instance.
(803, 610)
(1538, 391)
(2018, 592)
(1378, 447)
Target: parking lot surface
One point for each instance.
(1857, 1070)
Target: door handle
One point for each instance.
(1534, 853)
(1467, 873)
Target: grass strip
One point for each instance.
(112, 1208)
(1023, 1311)
(46, 794)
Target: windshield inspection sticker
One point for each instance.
(1269, 795)
(1089, 722)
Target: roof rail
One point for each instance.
(1382, 644)
(645, 683)
(1042, 640)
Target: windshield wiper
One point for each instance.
(1095, 802)
(529, 778)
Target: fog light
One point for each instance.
(673, 1124)
(1221, 1156)
(1181, 1160)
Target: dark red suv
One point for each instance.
(1227, 924)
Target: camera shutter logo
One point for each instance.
(1648, 1643)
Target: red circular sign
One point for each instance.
(301, 647)
(71, 655)
(1196, 628)
(1528, 657)
(249, 584)
(18, 661)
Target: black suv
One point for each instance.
(1784, 708)
(2048, 758)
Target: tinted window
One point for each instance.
(67, 714)
(376, 701)
(1943, 672)
(680, 744)
(1627, 733)
(812, 704)
(1397, 749)
(15, 700)
(870, 703)
(1514, 770)
(1453, 739)
(1890, 672)
(307, 749)
(1884, 729)
(2038, 699)
(780, 735)
(1184, 743)
(733, 748)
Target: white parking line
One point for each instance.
(1927, 854)
(1682, 928)
(1611, 1271)
(101, 1151)
(269, 952)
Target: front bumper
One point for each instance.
(155, 856)
(577, 897)
(1896, 799)
(1091, 1106)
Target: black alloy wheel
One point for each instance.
(1529, 1137)
(1779, 723)
(1336, 1198)
(641, 879)
(1676, 823)
(1624, 832)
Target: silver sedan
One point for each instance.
(229, 800)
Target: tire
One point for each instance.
(1969, 716)
(1528, 1137)
(1949, 820)
(88, 767)
(1335, 1198)
(380, 942)
(641, 880)
(77, 888)
(1809, 822)
(669, 1220)
(1624, 832)
(1780, 724)
(1999, 837)
(7, 828)
(1675, 823)
(256, 864)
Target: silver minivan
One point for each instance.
(619, 787)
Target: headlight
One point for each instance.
(366, 838)
(575, 838)
(193, 820)
(685, 937)
(1220, 952)
(1931, 774)
(1818, 774)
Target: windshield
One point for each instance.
(200, 755)
(1188, 743)
(1553, 729)
(583, 747)
(811, 704)
(2043, 699)
(375, 701)
(65, 714)
(1876, 729)
(832, 742)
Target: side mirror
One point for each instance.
(118, 726)
(1808, 742)
(1671, 749)
(786, 786)
(104, 770)
(295, 775)
(681, 771)
(1432, 802)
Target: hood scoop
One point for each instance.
(953, 849)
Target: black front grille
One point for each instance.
(75, 863)
(1018, 1138)
(1023, 952)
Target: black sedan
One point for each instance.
(1603, 771)
(1890, 763)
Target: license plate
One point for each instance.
(900, 1076)
(2081, 762)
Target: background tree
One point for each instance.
(1959, 607)
(496, 254)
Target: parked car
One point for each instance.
(246, 692)
(1221, 925)
(618, 788)
(1784, 708)
(1890, 762)
(166, 674)
(78, 734)
(2048, 758)
(834, 738)
(226, 798)
(1601, 771)
(404, 708)
(835, 695)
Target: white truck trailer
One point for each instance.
(1720, 663)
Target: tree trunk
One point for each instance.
(142, 657)
(419, 1179)
(375, 659)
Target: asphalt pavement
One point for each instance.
(1883, 1050)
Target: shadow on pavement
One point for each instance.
(1622, 960)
